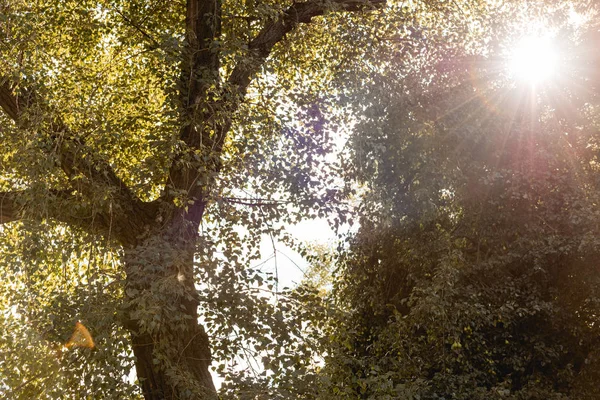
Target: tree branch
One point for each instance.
(8, 101)
(203, 26)
(260, 47)
(155, 43)
(86, 173)
(208, 136)
(75, 159)
(9, 207)
(252, 202)
(57, 206)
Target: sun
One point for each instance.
(534, 60)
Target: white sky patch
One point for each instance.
(290, 265)
(576, 19)
(315, 230)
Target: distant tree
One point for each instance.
(473, 274)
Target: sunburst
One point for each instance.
(534, 60)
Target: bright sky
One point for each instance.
(291, 265)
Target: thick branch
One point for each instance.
(260, 47)
(123, 214)
(87, 174)
(57, 205)
(200, 76)
(8, 101)
(9, 207)
(75, 158)
(203, 26)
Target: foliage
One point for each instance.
(50, 280)
(121, 129)
(146, 146)
(472, 275)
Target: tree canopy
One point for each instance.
(147, 146)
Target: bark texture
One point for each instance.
(171, 348)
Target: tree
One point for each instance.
(473, 275)
(119, 122)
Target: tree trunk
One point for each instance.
(171, 348)
(187, 377)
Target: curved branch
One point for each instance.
(74, 157)
(260, 47)
(86, 173)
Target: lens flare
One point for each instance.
(534, 60)
(80, 338)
